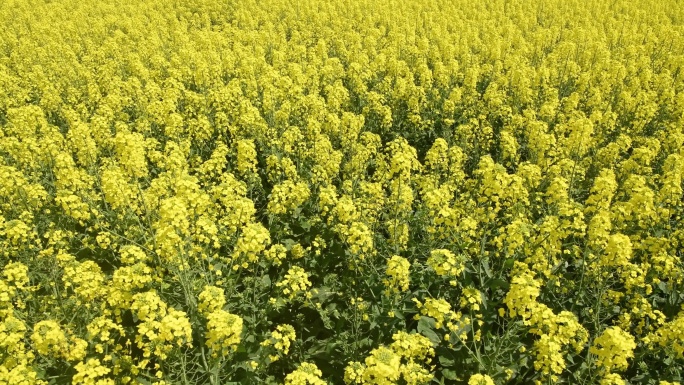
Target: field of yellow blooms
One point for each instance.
(311, 192)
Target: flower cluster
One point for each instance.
(446, 264)
(161, 328)
(405, 358)
(280, 339)
(224, 331)
(306, 374)
(398, 278)
(295, 282)
(211, 299)
(183, 185)
(613, 348)
(480, 379)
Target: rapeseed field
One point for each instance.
(341, 192)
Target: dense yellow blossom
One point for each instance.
(523, 293)
(287, 196)
(613, 348)
(280, 339)
(86, 278)
(92, 373)
(103, 332)
(399, 192)
(246, 156)
(438, 308)
(295, 283)
(412, 346)
(480, 379)
(671, 335)
(306, 374)
(398, 274)
(446, 264)
(223, 332)
(471, 298)
(49, 339)
(211, 299)
(161, 328)
(405, 358)
(359, 238)
(253, 240)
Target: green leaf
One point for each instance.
(498, 283)
(266, 280)
(449, 374)
(425, 328)
(663, 286)
(447, 362)
(485, 265)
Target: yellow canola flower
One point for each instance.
(437, 308)
(49, 339)
(20, 374)
(471, 298)
(397, 272)
(436, 157)
(246, 156)
(670, 335)
(403, 159)
(612, 379)
(103, 331)
(613, 348)
(288, 196)
(412, 346)
(416, 374)
(306, 374)
(480, 379)
(87, 280)
(92, 372)
(16, 274)
(131, 254)
(276, 254)
(446, 264)
(549, 356)
(382, 365)
(403, 359)
(280, 339)
(522, 295)
(253, 240)
(161, 328)
(129, 278)
(130, 152)
(118, 192)
(549, 132)
(223, 332)
(175, 328)
(212, 298)
(12, 333)
(295, 282)
(359, 239)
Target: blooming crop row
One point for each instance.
(341, 192)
